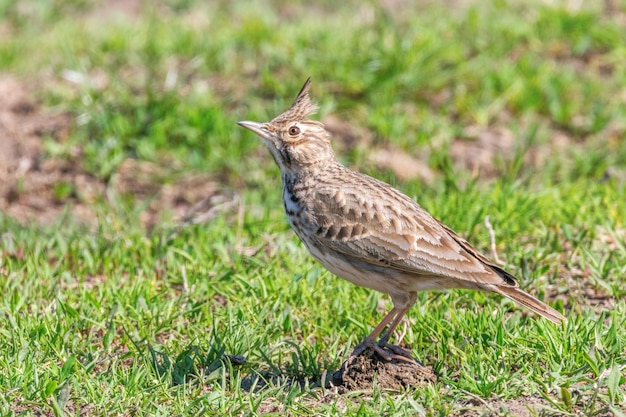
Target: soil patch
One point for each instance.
(519, 407)
(346, 135)
(32, 187)
(361, 372)
(404, 166)
(38, 187)
(484, 151)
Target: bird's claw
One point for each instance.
(385, 350)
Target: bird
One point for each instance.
(367, 232)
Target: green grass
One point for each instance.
(115, 319)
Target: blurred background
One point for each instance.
(141, 98)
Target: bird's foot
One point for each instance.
(385, 350)
(398, 352)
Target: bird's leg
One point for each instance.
(399, 352)
(386, 350)
(370, 340)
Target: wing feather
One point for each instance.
(395, 231)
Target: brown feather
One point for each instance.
(530, 302)
(302, 107)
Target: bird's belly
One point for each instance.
(380, 278)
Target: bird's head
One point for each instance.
(293, 139)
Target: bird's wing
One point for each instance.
(373, 222)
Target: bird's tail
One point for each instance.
(530, 302)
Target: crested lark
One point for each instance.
(369, 233)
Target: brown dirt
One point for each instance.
(27, 189)
(360, 372)
(483, 151)
(480, 149)
(519, 407)
(526, 406)
(193, 198)
(404, 166)
(346, 135)
(18, 408)
(36, 187)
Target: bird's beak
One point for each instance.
(258, 128)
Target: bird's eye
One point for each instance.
(294, 131)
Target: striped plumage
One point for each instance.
(365, 231)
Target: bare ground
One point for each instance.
(36, 187)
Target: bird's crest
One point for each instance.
(301, 108)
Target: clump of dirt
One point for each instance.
(360, 372)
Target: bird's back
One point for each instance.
(362, 218)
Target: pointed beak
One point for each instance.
(258, 128)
